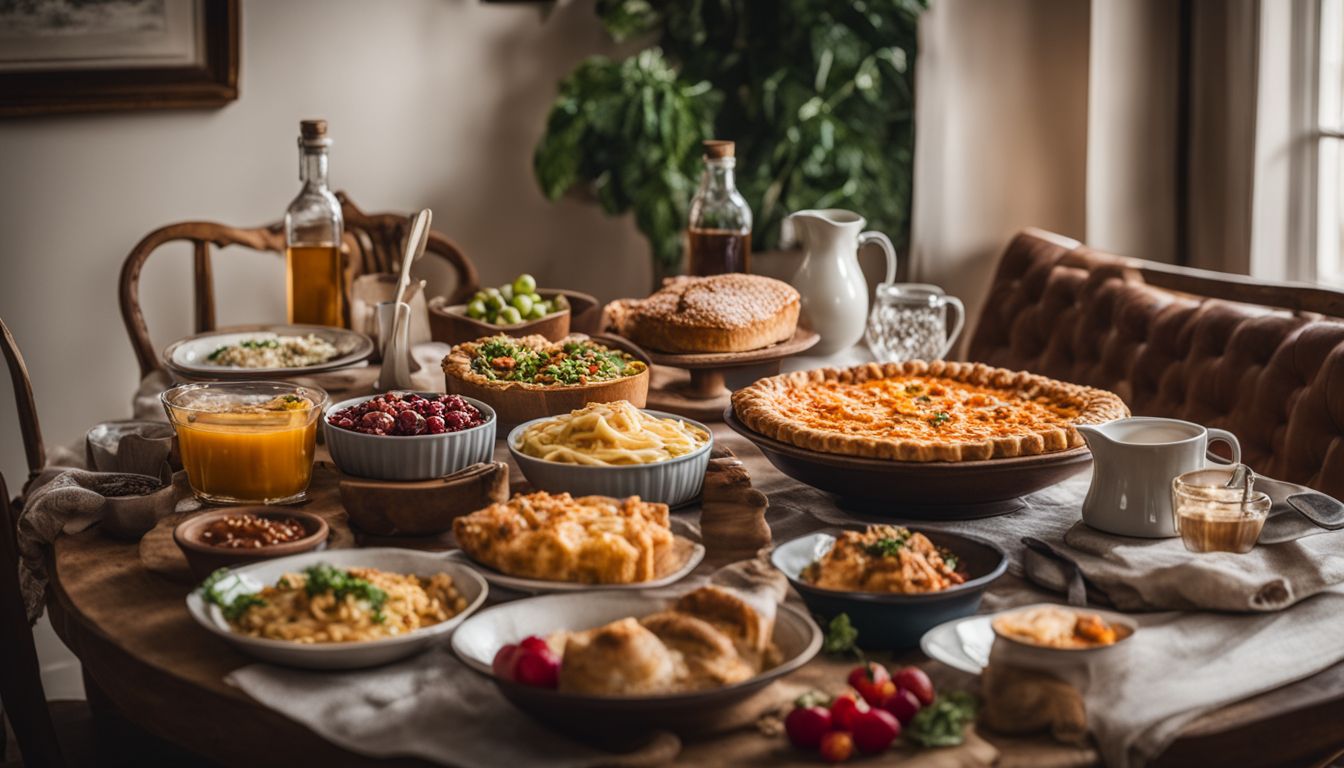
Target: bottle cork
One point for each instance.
(716, 149)
(313, 129)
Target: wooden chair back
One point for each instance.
(373, 243)
(33, 448)
(25, 702)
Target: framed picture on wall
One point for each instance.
(101, 55)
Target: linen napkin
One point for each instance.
(1179, 666)
(69, 503)
(1161, 574)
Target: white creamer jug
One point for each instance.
(1134, 461)
(830, 282)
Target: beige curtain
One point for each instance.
(1126, 124)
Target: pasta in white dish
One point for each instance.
(608, 434)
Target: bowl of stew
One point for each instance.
(240, 535)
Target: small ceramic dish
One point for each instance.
(423, 507)
(889, 621)
(961, 644)
(366, 653)
(673, 482)
(450, 324)
(480, 637)
(1022, 652)
(204, 559)
(413, 457)
(135, 514)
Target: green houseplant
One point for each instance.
(818, 95)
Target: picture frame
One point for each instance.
(60, 57)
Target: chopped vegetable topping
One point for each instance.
(938, 419)
(888, 547)
(325, 578)
(502, 359)
(943, 723)
(840, 636)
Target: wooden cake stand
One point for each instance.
(704, 396)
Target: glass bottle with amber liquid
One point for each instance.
(314, 269)
(719, 236)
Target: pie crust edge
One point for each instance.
(754, 405)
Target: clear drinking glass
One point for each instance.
(909, 321)
(246, 442)
(1210, 517)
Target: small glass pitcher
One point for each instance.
(909, 321)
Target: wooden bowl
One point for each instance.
(425, 508)
(585, 311)
(450, 324)
(204, 559)
(516, 404)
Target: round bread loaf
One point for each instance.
(720, 313)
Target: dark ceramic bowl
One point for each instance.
(888, 621)
(204, 559)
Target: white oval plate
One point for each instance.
(366, 653)
(543, 586)
(192, 354)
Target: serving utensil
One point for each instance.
(396, 370)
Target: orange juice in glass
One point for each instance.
(247, 442)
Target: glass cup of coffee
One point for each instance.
(1211, 517)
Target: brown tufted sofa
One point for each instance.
(1265, 361)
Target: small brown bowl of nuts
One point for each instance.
(241, 535)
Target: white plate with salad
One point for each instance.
(259, 351)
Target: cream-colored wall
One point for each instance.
(434, 103)
(1001, 135)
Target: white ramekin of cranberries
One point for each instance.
(407, 414)
(436, 435)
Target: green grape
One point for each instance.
(525, 283)
(545, 306)
(538, 312)
(561, 301)
(494, 303)
(476, 309)
(509, 316)
(507, 292)
(480, 296)
(523, 303)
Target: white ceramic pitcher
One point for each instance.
(834, 293)
(1134, 461)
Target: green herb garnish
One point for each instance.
(938, 419)
(888, 546)
(232, 608)
(949, 559)
(840, 636)
(322, 578)
(943, 723)
(501, 359)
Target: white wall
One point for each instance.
(434, 103)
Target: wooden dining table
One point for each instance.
(120, 607)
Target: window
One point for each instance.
(1330, 149)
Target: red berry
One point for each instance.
(903, 704)
(434, 425)
(837, 747)
(506, 658)
(871, 672)
(843, 711)
(806, 726)
(915, 681)
(540, 669)
(534, 644)
(875, 729)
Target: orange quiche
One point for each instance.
(556, 537)
(920, 411)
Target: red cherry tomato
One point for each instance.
(872, 682)
(806, 725)
(875, 729)
(843, 710)
(506, 659)
(837, 747)
(903, 704)
(915, 681)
